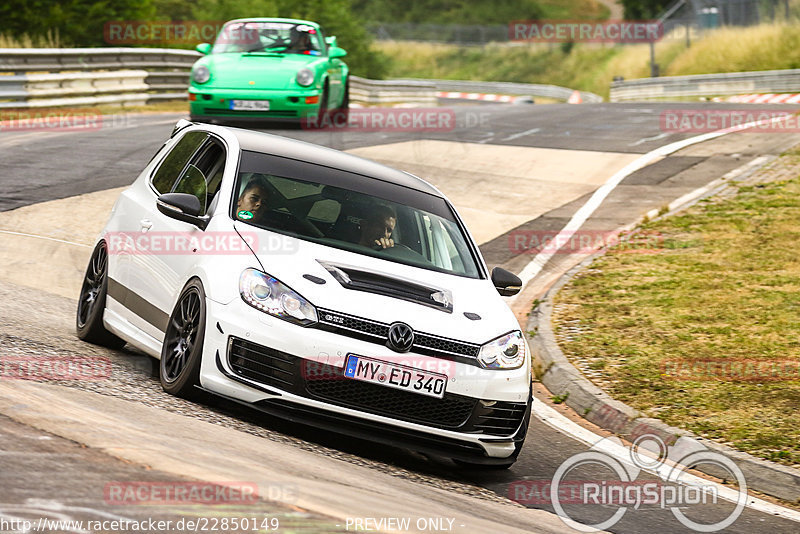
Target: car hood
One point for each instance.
(256, 71)
(290, 260)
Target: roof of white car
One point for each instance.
(328, 157)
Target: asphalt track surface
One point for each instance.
(40, 166)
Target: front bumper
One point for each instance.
(213, 103)
(296, 373)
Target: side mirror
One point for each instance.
(506, 283)
(331, 41)
(182, 207)
(203, 48)
(335, 51)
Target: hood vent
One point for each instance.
(390, 286)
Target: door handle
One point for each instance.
(145, 224)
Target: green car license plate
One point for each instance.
(249, 105)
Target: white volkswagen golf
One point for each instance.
(315, 286)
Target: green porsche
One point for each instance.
(269, 69)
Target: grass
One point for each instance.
(724, 286)
(38, 113)
(592, 67)
(764, 47)
(50, 40)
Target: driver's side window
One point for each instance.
(175, 162)
(194, 166)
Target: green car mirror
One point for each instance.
(203, 48)
(335, 52)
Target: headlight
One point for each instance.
(505, 352)
(267, 294)
(305, 77)
(201, 74)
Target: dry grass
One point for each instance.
(51, 40)
(725, 286)
(34, 114)
(574, 9)
(764, 47)
(593, 67)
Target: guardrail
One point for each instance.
(366, 91)
(21, 60)
(672, 87)
(508, 88)
(73, 89)
(57, 77)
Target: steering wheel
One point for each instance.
(399, 250)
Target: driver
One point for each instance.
(376, 232)
(254, 200)
(301, 43)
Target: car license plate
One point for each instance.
(250, 105)
(395, 376)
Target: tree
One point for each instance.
(336, 18)
(77, 22)
(644, 9)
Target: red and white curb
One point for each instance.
(475, 96)
(766, 99)
(575, 97)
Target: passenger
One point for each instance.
(376, 232)
(253, 200)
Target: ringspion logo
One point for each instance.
(622, 489)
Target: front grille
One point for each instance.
(328, 383)
(264, 365)
(441, 344)
(498, 418)
(352, 326)
(356, 324)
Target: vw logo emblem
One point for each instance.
(400, 338)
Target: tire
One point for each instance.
(323, 105)
(343, 111)
(92, 302)
(182, 350)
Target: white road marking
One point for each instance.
(489, 137)
(646, 139)
(566, 426)
(520, 134)
(45, 237)
(533, 268)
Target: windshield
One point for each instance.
(269, 37)
(356, 221)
